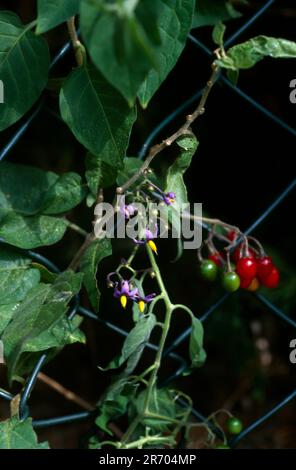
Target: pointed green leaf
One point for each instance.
(196, 351)
(97, 114)
(54, 12)
(114, 404)
(15, 434)
(26, 193)
(98, 175)
(134, 343)
(162, 403)
(96, 252)
(67, 192)
(6, 314)
(174, 22)
(247, 54)
(31, 232)
(128, 31)
(174, 179)
(16, 276)
(208, 13)
(24, 63)
(39, 323)
(22, 188)
(218, 33)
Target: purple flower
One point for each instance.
(125, 292)
(143, 300)
(149, 235)
(127, 210)
(169, 198)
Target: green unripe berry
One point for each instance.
(231, 281)
(234, 426)
(209, 270)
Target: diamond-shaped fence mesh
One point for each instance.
(181, 363)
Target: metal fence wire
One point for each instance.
(170, 351)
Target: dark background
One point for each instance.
(243, 163)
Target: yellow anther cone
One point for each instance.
(123, 300)
(152, 246)
(141, 306)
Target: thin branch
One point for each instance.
(155, 150)
(76, 228)
(65, 392)
(71, 396)
(77, 46)
(184, 129)
(77, 258)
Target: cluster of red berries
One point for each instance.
(248, 270)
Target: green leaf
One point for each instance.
(23, 188)
(134, 344)
(174, 22)
(26, 194)
(114, 404)
(218, 34)
(196, 351)
(54, 12)
(232, 75)
(15, 434)
(96, 114)
(28, 190)
(128, 31)
(247, 54)
(98, 175)
(66, 193)
(208, 13)
(162, 402)
(96, 252)
(174, 179)
(130, 166)
(16, 277)
(24, 64)
(45, 275)
(6, 314)
(39, 323)
(31, 232)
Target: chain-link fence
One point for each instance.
(181, 364)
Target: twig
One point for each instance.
(65, 392)
(77, 46)
(155, 150)
(184, 129)
(77, 229)
(71, 396)
(76, 260)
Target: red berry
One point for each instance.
(246, 268)
(238, 253)
(264, 266)
(272, 280)
(217, 258)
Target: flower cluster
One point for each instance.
(124, 291)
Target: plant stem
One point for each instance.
(76, 260)
(77, 229)
(139, 443)
(77, 46)
(184, 129)
(157, 361)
